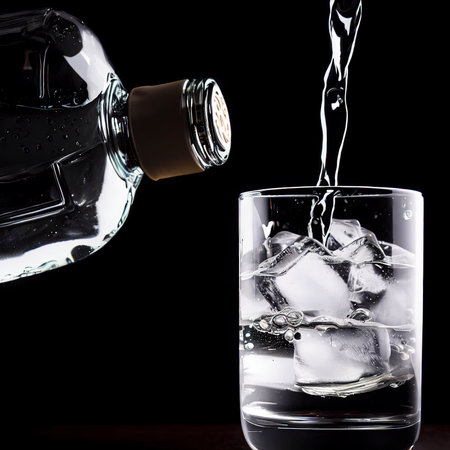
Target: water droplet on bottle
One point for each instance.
(297, 336)
(66, 136)
(264, 324)
(61, 149)
(38, 147)
(249, 346)
(407, 214)
(26, 149)
(77, 144)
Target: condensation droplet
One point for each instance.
(264, 324)
(50, 138)
(407, 214)
(249, 346)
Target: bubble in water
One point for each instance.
(335, 97)
(289, 335)
(294, 318)
(280, 320)
(407, 214)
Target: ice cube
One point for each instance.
(397, 305)
(252, 303)
(302, 276)
(311, 284)
(340, 355)
(282, 240)
(342, 232)
(282, 262)
(267, 370)
(398, 256)
(365, 249)
(367, 270)
(366, 285)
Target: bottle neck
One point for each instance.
(179, 128)
(115, 127)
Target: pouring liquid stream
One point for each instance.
(343, 25)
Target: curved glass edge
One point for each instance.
(347, 191)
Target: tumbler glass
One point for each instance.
(330, 321)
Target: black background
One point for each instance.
(146, 329)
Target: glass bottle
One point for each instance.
(75, 144)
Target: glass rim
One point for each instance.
(345, 191)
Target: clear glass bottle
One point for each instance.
(74, 144)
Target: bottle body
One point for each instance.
(74, 144)
(67, 178)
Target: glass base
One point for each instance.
(284, 438)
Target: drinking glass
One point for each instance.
(330, 322)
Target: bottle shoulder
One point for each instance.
(50, 58)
